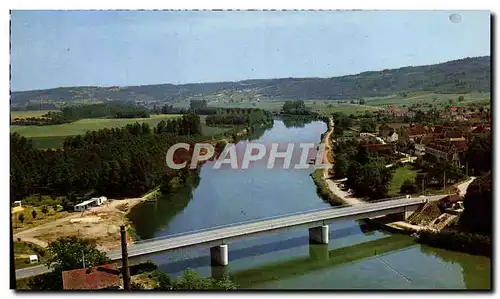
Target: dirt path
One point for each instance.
(347, 197)
(463, 186)
(100, 223)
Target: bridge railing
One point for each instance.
(265, 218)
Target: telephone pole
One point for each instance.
(444, 180)
(125, 269)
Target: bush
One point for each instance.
(147, 266)
(408, 187)
(45, 209)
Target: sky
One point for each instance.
(108, 48)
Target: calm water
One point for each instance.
(357, 256)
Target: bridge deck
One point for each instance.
(217, 236)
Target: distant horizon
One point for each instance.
(250, 79)
(52, 48)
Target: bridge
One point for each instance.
(217, 238)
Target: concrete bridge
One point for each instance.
(316, 221)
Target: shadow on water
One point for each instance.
(150, 217)
(476, 269)
(297, 121)
(316, 251)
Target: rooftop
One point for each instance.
(99, 277)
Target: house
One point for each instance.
(93, 202)
(406, 135)
(92, 278)
(384, 130)
(17, 203)
(392, 136)
(452, 151)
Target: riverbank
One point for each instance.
(327, 188)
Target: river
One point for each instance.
(357, 256)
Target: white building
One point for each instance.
(392, 137)
(93, 202)
(33, 259)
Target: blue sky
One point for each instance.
(104, 48)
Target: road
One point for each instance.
(463, 187)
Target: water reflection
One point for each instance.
(476, 269)
(297, 121)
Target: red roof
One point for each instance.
(416, 130)
(481, 129)
(99, 277)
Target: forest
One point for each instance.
(116, 162)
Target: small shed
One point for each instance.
(17, 203)
(33, 259)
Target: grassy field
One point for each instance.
(321, 106)
(25, 114)
(45, 137)
(83, 125)
(22, 251)
(401, 174)
(40, 219)
(436, 98)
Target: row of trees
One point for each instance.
(115, 162)
(114, 110)
(252, 118)
(226, 120)
(296, 107)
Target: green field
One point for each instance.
(45, 137)
(401, 174)
(323, 107)
(83, 125)
(433, 98)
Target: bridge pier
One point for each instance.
(319, 234)
(219, 256)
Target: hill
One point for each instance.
(457, 76)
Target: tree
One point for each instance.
(478, 207)
(21, 217)
(341, 166)
(479, 154)
(45, 209)
(419, 116)
(361, 101)
(408, 187)
(370, 179)
(368, 125)
(461, 98)
(33, 214)
(68, 253)
(191, 280)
